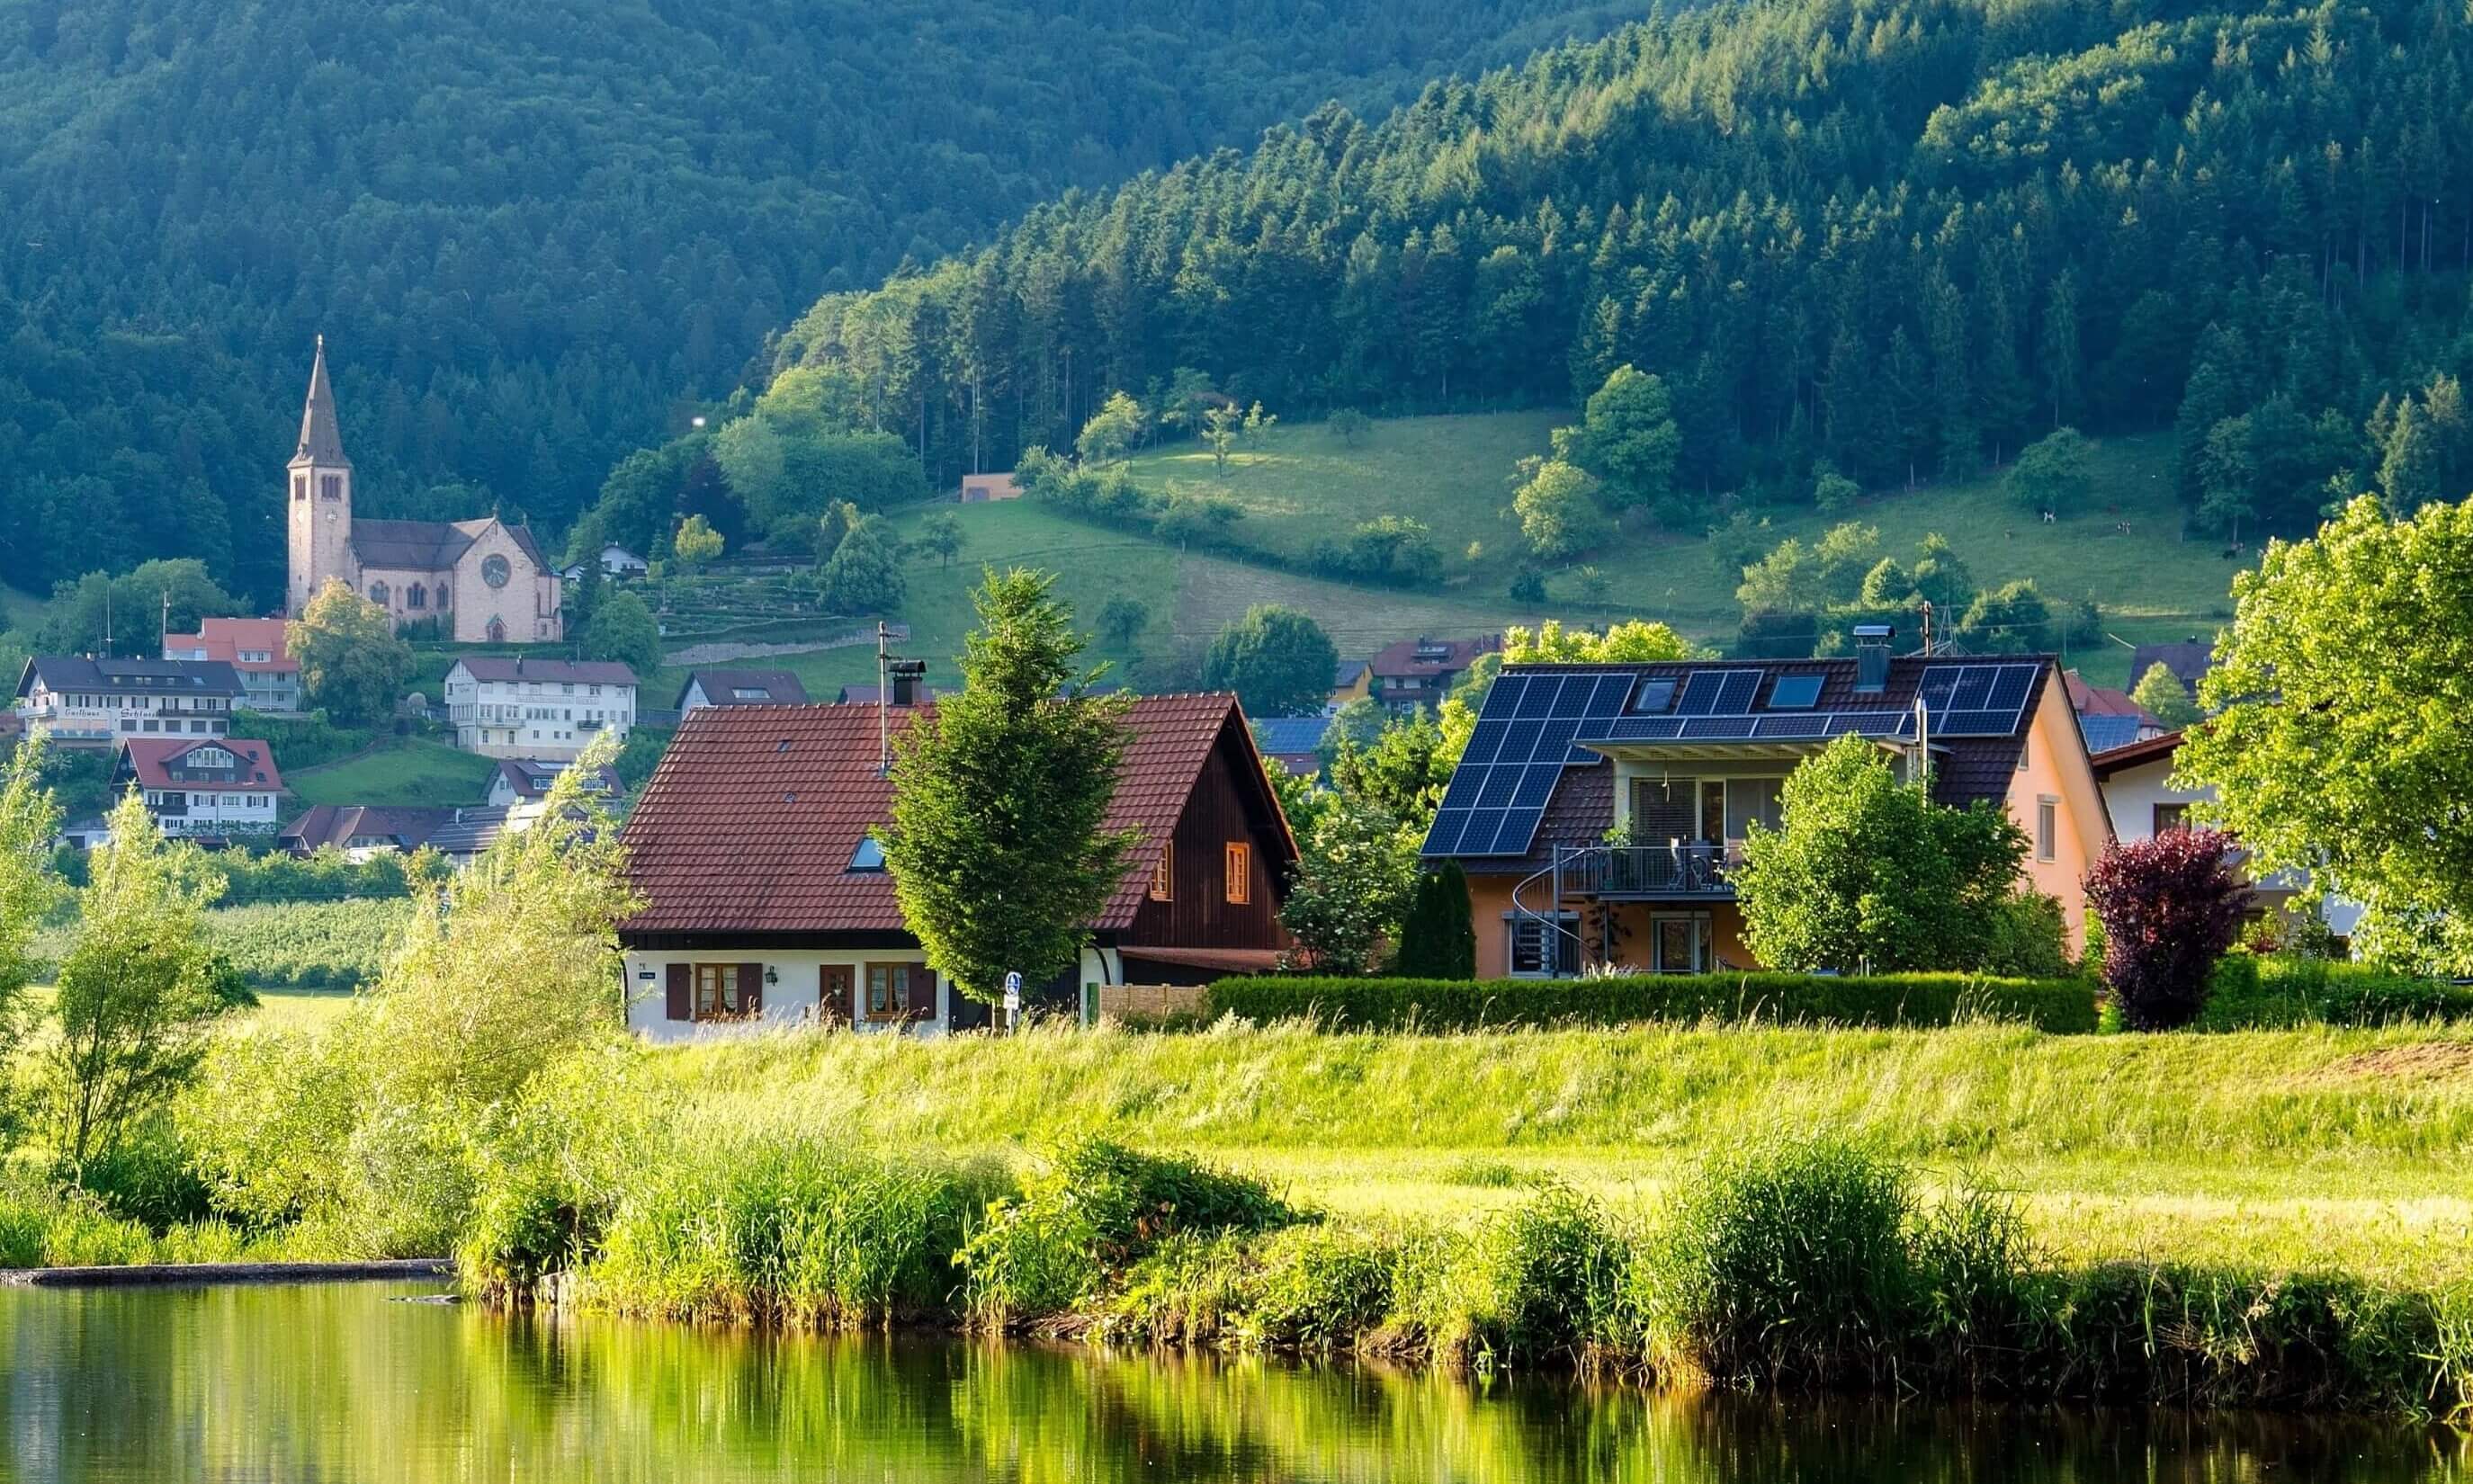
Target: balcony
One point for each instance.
(1678, 872)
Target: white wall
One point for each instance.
(2130, 797)
(791, 1002)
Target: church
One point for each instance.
(485, 581)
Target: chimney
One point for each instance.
(1872, 658)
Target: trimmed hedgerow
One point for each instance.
(2247, 992)
(2060, 1005)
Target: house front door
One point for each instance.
(1679, 945)
(834, 994)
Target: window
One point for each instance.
(716, 991)
(330, 486)
(2171, 816)
(416, 596)
(1164, 872)
(300, 486)
(378, 593)
(1529, 948)
(494, 571)
(869, 856)
(1655, 696)
(1753, 799)
(2047, 829)
(1680, 945)
(898, 991)
(1240, 871)
(1795, 693)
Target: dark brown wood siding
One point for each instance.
(1199, 915)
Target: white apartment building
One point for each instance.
(86, 702)
(504, 706)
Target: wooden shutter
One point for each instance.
(750, 989)
(682, 992)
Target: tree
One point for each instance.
(1867, 873)
(1437, 938)
(2171, 905)
(1832, 491)
(1402, 769)
(1122, 620)
(1628, 438)
(29, 889)
(124, 615)
(1258, 422)
(1220, 426)
(1349, 426)
(999, 847)
(352, 664)
(1636, 641)
(584, 595)
(2053, 474)
(2341, 722)
(139, 987)
(940, 536)
(696, 543)
(2010, 619)
(2161, 692)
(864, 574)
(1116, 426)
(2409, 465)
(624, 629)
(1277, 660)
(1355, 873)
(1558, 509)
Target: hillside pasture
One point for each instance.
(405, 771)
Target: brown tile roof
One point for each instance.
(2103, 701)
(152, 760)
(1441, 657)
(749, 822)
(567, 672)
(531, 777)
(338, 823)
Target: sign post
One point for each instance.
(1012, 999)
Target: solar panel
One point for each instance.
(1973, 690)
(1813, 725)
(1937, 683)
(1444, 837)
(1518, 828)
(1503, 698)
(1795, 693)
(1555, 741)
(1573, 699)
(1719, 729)
(1608, 698)
(1495, 793)
(1735, 693)
(1484, 824)
(1519, 741)
(1539, 699)
(1536, 785)
(2010, 690)
(1701, 693)
(1644, 729)
(1483, 741)
(1976, 724)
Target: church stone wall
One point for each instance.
(527, 605)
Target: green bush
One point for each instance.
(1318, 1288)
(148, 1178)
(1100, 1208)
(1785, 1265)
(2249, 992)
(2059, 1005)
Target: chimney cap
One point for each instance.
(1882, 633)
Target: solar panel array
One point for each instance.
(1521, 746)
(1533, 726)
(1975, 699)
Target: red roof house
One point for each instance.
(766, 897)
(202, 786)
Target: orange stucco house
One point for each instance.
(1678, 760)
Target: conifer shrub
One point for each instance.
(1437, 940)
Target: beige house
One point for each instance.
(550, 709)
(485, 581)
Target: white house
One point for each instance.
(212, 787)
(616, 560)
(538, 708)
(740, 687)
(2137, 793)
(95, 702)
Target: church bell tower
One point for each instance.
(320, 495)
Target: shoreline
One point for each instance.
(171, 1275)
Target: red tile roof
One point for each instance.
(2103, 701)
(749, 822)
(154, 761)
(226, 638)
(1425, 657)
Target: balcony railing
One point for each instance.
(1647, 870)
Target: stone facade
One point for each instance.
(484, 580)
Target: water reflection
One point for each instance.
(340, 1382)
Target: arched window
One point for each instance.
(441, 594)
(300, 486)
(498, 630)
(416, 596)
(378, 593)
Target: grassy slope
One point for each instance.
(407, 772)
(2300, 1148)
(18, 609)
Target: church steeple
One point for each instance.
(321, 437)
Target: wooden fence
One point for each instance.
(1140, 1002)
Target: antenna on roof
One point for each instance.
(891, 672)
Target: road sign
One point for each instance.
(1012, 994)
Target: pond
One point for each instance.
(363, 1382)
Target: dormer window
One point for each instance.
(869, 857)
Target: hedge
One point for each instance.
(2247, 991)
(2063, 1005)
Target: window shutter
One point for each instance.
(750, 989)
(682, 992)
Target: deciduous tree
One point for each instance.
(352, 664)
(29, 889)
(2171, 905)
(2161, 692)
(1558, 509)
(1277, 660)
(864, 574)
(623, 629)
(2053, 474)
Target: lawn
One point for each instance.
(408, 771)
(2303, 1149)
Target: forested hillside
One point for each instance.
(1903, 238)
(531, 232)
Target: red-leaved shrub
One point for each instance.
(2170, 907)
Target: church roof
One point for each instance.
(430, 545)
(322, 437)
